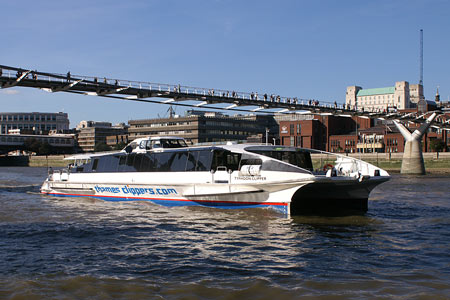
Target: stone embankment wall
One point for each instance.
(49, 161)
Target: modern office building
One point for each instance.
(400, 96)
(206, 127)
(92, 133)
(33, 122)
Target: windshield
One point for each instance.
(297, 158)
(166, 143)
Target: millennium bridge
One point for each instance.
(192, 97)
(210, 98)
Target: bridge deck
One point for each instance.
(189, 96)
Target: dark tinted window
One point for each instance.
(126, 163)
(192, 160)
(224, 158)
(204, 160)
(251, 161)
(297, 158)
(148, 163)
(163, 161)
(178, 161)
(108, 164)
(137, 161)
(95, 164)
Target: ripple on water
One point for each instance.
(85, 248)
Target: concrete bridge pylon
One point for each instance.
(412, 162)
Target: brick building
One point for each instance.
(315, 133)
(351, 135)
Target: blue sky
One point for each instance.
(304, 49)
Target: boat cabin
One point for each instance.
(202, 159)
(141, 145)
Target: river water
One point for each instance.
(74, 248)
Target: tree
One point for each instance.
(32, 144)
(45, 148)
(119, 146)
(437, 145)
(100, 147)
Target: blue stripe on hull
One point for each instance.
(282, 207)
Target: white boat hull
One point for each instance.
(276, 195)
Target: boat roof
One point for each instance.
(89, 155)
(239, 148)
(156, 138)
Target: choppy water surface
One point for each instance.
(70, 248)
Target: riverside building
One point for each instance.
(33, 122)
(400, 96)
(206, 127)
(92, 133)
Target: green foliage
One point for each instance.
(44, 148)
(40, 148)
(100, 147)
(437, 145)
(119, 146)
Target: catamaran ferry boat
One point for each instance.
(165, 171)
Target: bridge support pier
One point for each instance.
(412, 162)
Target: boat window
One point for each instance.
(173, 161)
(182, 143)
(156, 144)
(108, 163)
(166, 143)
(122, 163)
(163, 161)
(95, 164)
(224, 158)
(192, 160)
(178, 161)
(133, 145)
(145, 144)
(199, 160)
(148, 163)
(250, 160)
(137, 161)
(297, 158)
(126, 163)
(204, 160)
(130, 160)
